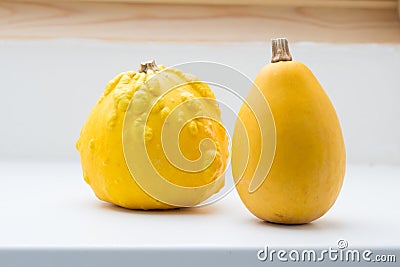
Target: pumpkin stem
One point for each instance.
(148, 65)
(280, 50)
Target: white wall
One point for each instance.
(48, 87)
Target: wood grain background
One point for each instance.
(215, 21)
(313, 3)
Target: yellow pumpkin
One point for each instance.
(305, 173)
(133, 110)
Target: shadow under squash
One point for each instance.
(319, 224)
(205, 210)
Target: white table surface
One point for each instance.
(49, 205)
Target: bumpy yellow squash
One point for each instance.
(109, 143)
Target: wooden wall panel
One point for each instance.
(133, 21)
